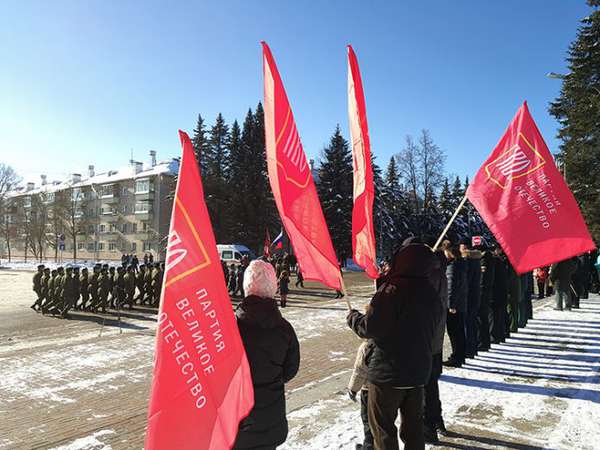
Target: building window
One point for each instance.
(101, 228)
(107, 211)
(134, 227)
(142, 186)
(112, 228)
(126, 208)
(107, 190)
(80, 246)
(100, 246)
(27, 202)
(112, 246)
(124, 190)
(142, 207)
(147, 246)
(90, 247)
(50, 196)
(144, 226)
(133, 246)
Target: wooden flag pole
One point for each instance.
(345, 293)
(460, 206)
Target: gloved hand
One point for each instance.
(352, 395)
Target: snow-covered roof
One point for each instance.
(170, 167)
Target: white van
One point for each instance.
(232, 253)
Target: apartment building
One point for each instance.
(96, 217)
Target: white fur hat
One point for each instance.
(260, 280)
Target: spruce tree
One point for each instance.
(445, 201)
(200, 144)
(577, 109)
(335, 192)
(397, 212)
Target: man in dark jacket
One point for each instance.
(37, 288)
(500, 297)
(273, 353)
(402, 320)
(456, 273)
(579, 278)
(486, 317)
(473, 259)
(560, 275)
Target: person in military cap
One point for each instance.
(103, 290)
(50, 295)
(59, 290)
(69, 287)
(84, 288)
(129, 282)
(93, 287)
(157, 276)
(112, 279)
(119, 288)
(37, 287)
(140, 283)
(148, 285)
(76, 288)
(45, 281)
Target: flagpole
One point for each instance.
(344, 292)
(460, 206)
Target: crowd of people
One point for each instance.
(472, 293)
(69, 288)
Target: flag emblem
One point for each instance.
(520, 160)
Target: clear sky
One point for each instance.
(84, 82)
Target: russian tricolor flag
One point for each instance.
(278, 242)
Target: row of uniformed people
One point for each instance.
(60, 290)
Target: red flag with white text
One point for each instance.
(293, 186)
(201, 386)
(525, 201)
(363, 232)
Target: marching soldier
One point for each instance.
(119, 288)
(84, 286)
(157, 276)
(68, 292)
(140, 283)
(59, 290)
(93, 286)
(112, 279)
(103, 289)
(50, 296)
(37, 287)
(148, 285)
(76, 288)
(45, 287)
(129, 282)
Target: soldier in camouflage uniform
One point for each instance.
(84, 285)
(77, 288)
(37, 287)
(59, 290)
(112, 279)
(50, 297)
(103, 290)
(140, 283)
(69, 287)
(93, 287)
(119, 288)
(129, 282)
(45, 282)
(157, 277)
(148, 285)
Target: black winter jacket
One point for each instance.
(274, 356)
(456, 272)
(473, 261)
(402, 319)
(488, 272)
(500, 282)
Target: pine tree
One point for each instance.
(215, 162)
(396, 212)
(457, 193)
(200, 144)
(445, 201)
(578, 111)
(335, 192)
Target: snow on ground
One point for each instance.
(540, 389)
(88, 443)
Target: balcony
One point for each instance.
(144, 196)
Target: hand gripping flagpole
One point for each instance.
(460, 206)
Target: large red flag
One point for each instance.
(525, 201)
(293, 186)
(202, 386)
(363, 233)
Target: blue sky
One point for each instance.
(85, 82)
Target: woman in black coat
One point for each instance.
(273, 352)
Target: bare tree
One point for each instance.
(8, 182)
(421, 168)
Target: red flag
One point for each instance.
(363, 234)
(267, 245)
(293, 186)
(201, 386)
(525, 201)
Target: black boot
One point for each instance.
(430, 435)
